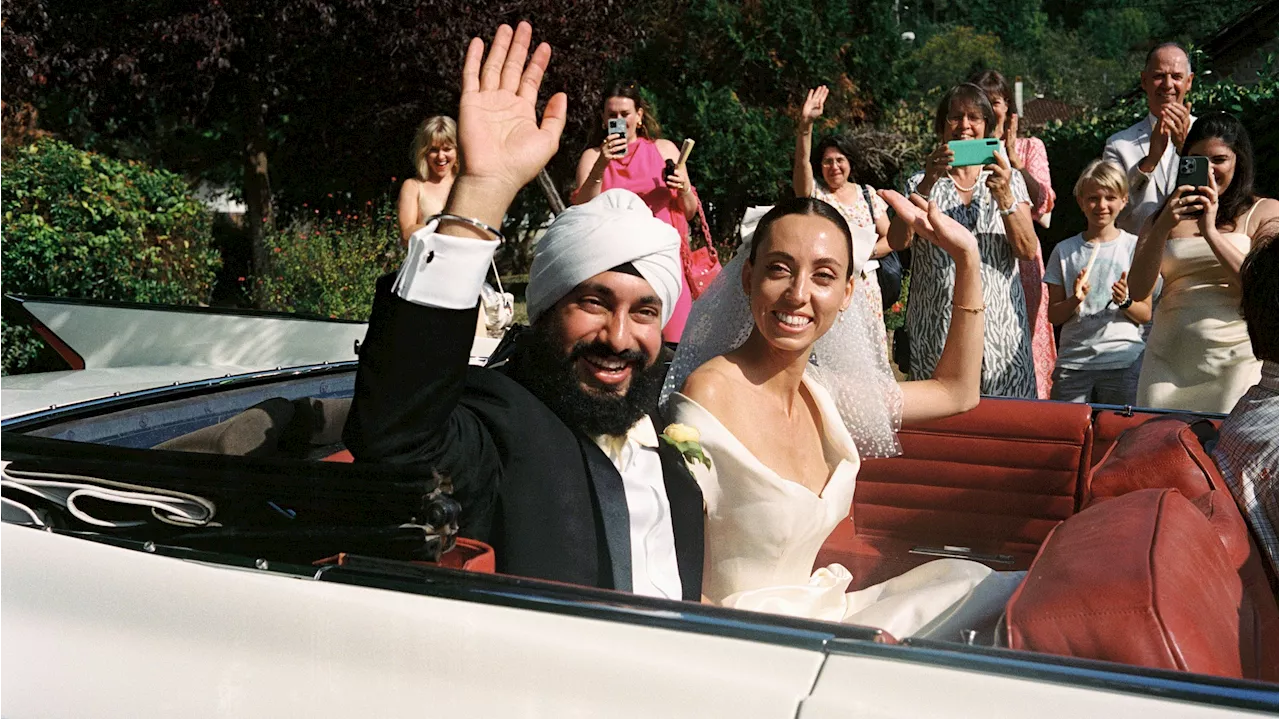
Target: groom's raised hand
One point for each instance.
(502, 145)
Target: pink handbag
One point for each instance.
(701, 266)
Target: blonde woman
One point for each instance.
(435, 162)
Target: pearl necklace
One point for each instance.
(970, 188)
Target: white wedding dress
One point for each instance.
(763, 533)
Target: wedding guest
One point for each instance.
(1028, 156)
(1247, 451)
(637, 162)
(434, 155)
(991, 202)
(859, 204)
(1198, 356)
(1148, 150)
(1102, 342)
(551, 451)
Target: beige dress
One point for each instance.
(763, 533)
(1198, 356)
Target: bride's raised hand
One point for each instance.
(503, 147)
(932, 224)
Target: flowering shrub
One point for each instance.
(327, 264)
(896, 316)
(79, 224)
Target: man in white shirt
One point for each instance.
(1247, 451)
(551, 450)
(1148, 150)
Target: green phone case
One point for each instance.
(974, 152)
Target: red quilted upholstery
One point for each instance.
(1141, 579)
(996, 479)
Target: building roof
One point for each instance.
(1040, 111)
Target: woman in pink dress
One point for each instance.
(1028, 156)
(637, 162)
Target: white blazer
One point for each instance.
(1147, 191)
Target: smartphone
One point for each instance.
(1193, 170)
(974, 152)
(617, 126)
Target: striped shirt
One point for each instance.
(1247, 453)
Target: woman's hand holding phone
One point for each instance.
(935, 167)
(1208, 199)
(613, 147)
(1000, 182)
(1183, 204)
(676, 177)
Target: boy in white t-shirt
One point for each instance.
(1102, 341)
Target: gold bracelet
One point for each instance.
(974, 310)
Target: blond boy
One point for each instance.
(1102, 339)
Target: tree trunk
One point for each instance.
(257, 183)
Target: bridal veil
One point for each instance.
(847, 360)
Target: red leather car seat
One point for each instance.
(1108, 425)
(995, 479)
(1166, 451)
(1141, 579)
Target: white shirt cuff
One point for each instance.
(444, 271)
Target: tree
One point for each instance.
(730, 74)
(298, 100)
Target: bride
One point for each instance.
(776, 377)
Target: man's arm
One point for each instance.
(1132, 167)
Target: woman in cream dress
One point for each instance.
(1198, 355)
(774, 390)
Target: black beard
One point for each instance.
(549, 374)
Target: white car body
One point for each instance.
(104, 627)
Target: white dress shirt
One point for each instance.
(654, 571)
(448, 272)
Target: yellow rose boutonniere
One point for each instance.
(687, 440)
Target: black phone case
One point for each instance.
(1193, 170)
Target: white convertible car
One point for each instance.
(194, 545)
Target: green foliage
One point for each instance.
(731, 75)
(1073, 145)
(327, 265)
(950, 56)
(78, 224)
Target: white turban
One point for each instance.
(611, 230)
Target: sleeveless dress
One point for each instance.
(640, 171)
(867, 286)
(763, 533)
(1198, 355)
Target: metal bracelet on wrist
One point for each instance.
(497, 235)
(1128, 302)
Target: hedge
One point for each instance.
(82, 225)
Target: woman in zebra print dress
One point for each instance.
(992, 202)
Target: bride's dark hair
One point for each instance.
(802, 206)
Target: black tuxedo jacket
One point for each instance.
(544, 495)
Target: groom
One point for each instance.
(553, 455)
